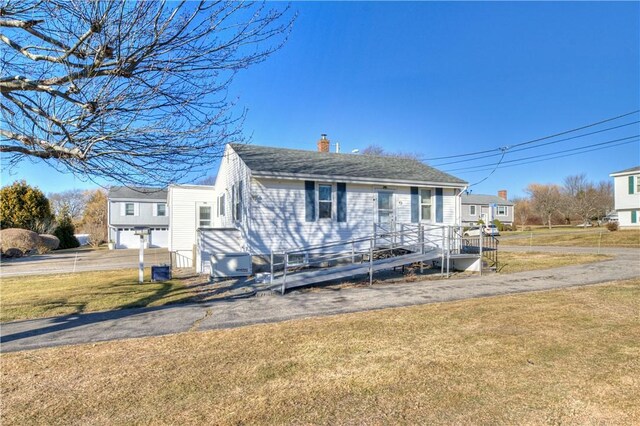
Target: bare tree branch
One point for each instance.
(131, 92)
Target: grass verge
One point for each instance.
(63, 294)
(568, 356)
(511, 262)
(574, 238)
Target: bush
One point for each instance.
(65, 231)
(51, 242)
(498, 225)
(19, 239)
(612, 226)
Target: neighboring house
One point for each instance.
(626, 186)
(272, 199)
(476, 207)
(130, 208)
(191, 207)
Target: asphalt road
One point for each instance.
(80, 260)
(132, 323)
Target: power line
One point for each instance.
(539, 145)
(560, 156)
(534, 140)
(607, 144)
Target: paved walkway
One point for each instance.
(130, 323)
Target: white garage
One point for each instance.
(126, 238)
(159, 237)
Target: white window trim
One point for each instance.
(333, 202)
(506, 211)
(198, 207)
(431, 204)
(155, 209)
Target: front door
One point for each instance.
(386, 210)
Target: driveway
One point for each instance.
(79, 260)
(130, 323)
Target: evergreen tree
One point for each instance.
(24, 206)
(65, 230)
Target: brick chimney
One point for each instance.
(503, 194)
(323, 143)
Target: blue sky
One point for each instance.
(441, 79)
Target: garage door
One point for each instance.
(159, 237)
(127, 239)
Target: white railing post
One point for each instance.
(371, 262)
(271, 268)
(284, 277)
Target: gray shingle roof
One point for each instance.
(484, 199)
(632, 169)
(295, 161)
(137, 193)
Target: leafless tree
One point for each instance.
(585, 199)
(134, 92)
(379, 151)
(74, 201)
(545, 200)
(522, 209)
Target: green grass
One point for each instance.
(573, 237)
(63, 294)
(557, 357)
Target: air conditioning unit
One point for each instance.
(230, 265)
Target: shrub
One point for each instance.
(49, 241)
(19, 239)
(498, 225)
(612, 226)
(65, 231)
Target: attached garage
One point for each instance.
(126, 238)
(159, 237)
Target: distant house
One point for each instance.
(269, 199)
(626, 185)
(476, 207)
(130, 208)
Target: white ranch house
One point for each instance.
(269, 200)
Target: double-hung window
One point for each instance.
(502, 210)
(472, 211)
(204, 216)
(129, 209)
(425, 204)
(161, 209)
(324, 202)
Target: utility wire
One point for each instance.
(560, 156)
(537, 146)
(534, 140)
(504, 151)
(489, 166)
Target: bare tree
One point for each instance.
(134, 92)
(72, 201)
(522, 209)
(207, 180)
(586, 200)
(379, 151)
(545, 200)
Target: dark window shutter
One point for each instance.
(415, 205)
(342, 201)
(634, 216)
(630, 184)
(309, 200)
(439, 202)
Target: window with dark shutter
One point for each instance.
(439, 206)
(342, 201)
(309, 201)
(415, 205)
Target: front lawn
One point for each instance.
(573, 238)
(557, 357)
(62, 294)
